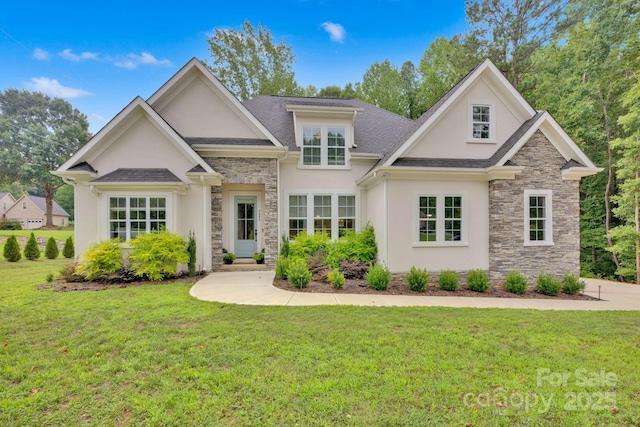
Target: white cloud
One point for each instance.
(70, 56)
(132, 61)
(41, 54)
(336, 32)
(54, 88)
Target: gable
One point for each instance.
(141, 144)
(450, 135)
(197, 111)
(197, 105)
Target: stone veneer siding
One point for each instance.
(246, 171)
(542, 171)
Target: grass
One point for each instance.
(152, 355)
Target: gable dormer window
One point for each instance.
(324, 146)
(482, 123)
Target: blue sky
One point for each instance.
(101, 55)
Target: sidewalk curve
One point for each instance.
(256, 288)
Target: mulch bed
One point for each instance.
(398, 286)
(64, 286)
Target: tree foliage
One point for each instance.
(382, 86)
(31, 249)
(11, 251)
(68, 250)
(249, 63)
(51, 251)
(37, 135)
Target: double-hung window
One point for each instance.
(297, 214)
(538, 218)
(322, 214)
(482, 123)
(346, 214)
(131, 216)
(440, 219)
(324, 146)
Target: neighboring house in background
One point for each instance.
(31, 212)
(6, 201)
(481, 180)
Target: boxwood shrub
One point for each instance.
(417, 279)
(448, 280)
(378, 277)
(515, 283)
(547, 284)
(477, 280)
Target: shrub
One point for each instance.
(228, 257)
(298, 274)
(100, 260)
(156, 255)
(10, 225)
(49, 278)
(417, 279)
(69, 274)
(307, 244)
(31, 249)
(284, 247)
(51, 251)
(477, 280)
(378, 277)
(352, 245)
(191, 250)
(12, 249)
(547, 284)
(515, 283)
(448, 280)
(67, 250)
(354, 269)
(282, 264)
(336, 278)
(571, 285)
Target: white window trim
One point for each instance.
(324, 145)
(335, 232)
(548, 231)
(492, 124)
(440, 242)
(105, 207)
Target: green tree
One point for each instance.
(65, 198)
(249, 63)
(411, 88)
(382, 86)
(31, 249)
(444, 63)
(11, 251)
(68, 250)
(330, 91)
(627, 235)
(514, 30)
(51, 251)
(37, 135)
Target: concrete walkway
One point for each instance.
(256, 288)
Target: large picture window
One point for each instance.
(131, 216)
(538, 217)
(441, 219)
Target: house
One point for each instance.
(481, 180)
(31, 212)
(6, 201)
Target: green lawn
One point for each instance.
(152, 355)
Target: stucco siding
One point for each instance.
(405, 249)
(197, 112)
(142, 145)
(449, 137)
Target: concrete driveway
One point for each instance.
(256, 288)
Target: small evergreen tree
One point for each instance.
(12, 249)
(51, 251)
(31, 249)
(191, 250)
(68, 251)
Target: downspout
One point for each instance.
(386, 219)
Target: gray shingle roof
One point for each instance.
(41, 203)
(473, 163)
(227, 141)
(139, 175)
(572, 164)
(376, 130)
(2, 194)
